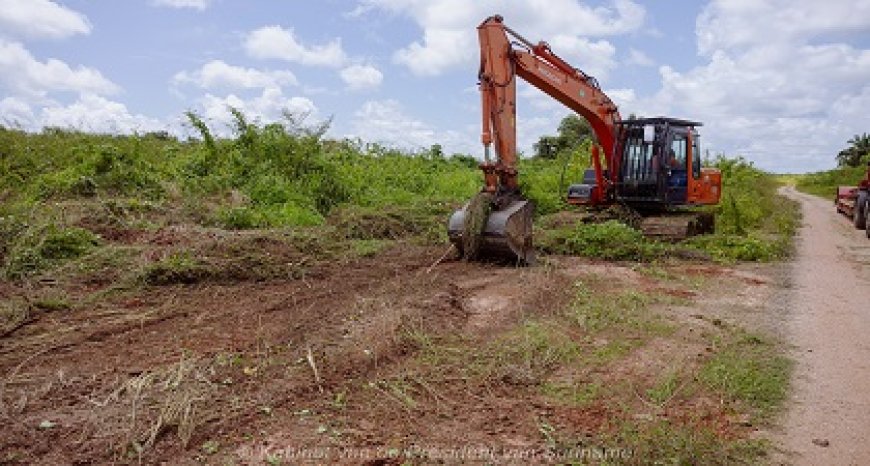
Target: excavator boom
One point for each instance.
(500, 64)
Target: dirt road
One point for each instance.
(828, 421)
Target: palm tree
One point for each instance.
(856, 152)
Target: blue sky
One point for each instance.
(783, 83)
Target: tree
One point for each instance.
(573, 130)
(856, 153)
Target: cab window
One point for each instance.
(696, 156)
(677, 155)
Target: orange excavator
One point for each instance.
(650, 165)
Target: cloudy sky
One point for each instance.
(782, 82)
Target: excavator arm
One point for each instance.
(500, 63)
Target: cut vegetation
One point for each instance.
(228, 300)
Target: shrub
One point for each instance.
(40, 248)
(609, 240)
(742, 248)
(179, 267)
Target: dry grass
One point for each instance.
(14, 313)
(147, 408)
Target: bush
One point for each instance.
(179, 267)
(742, 248)
(40, 248)
(825, 183)
(753, 222)
(609, 240)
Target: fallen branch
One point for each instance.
(440, 259)
(27, 320)
(310, 357)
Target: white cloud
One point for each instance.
(15, 112)
(362, 77)
(593, 58)
(89, 112)
(195, 4)
(776, 86)
(275, 42)
(22, 74)
(267, 107)
(729, 24)
(218, 74)
(449, 35)
(41, 18)
(623, 98)
(94, 113)
(638, 58)
(385, 122)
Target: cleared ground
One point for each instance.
(270, 355)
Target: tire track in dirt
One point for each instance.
(827, 420)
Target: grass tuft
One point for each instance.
(751, 370)
(38, 249)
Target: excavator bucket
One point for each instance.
(481, 231)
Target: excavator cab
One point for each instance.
(657, 166)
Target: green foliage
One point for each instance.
(286, 175)
(666, 442)
(753, 222)
(824, 183)
(611, 240)
(573, 130)
(39, 248)
(424, 220)
(545, 181)
(179, 267)
(857, 153)
(750, 370)
(730, 247)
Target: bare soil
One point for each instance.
(827, 422)
(360, 358)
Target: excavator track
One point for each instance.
(677, 226)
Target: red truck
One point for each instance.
(854, 202)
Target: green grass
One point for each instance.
(39, 248)
(824, 183)
(750, 370)
(52, 304)
(611, 240)
(368, 247)
(178, 267)
(572, 393)
(665, 442)
(753, 222)
(596, 311)
(287, 175)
